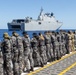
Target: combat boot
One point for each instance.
(42, 65)
(32, 69)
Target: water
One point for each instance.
(20, 32)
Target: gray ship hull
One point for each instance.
(35, 26)
(42, 26)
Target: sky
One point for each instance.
(64, 11)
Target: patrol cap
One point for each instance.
(13, 32)
(40, 33)
(34, 34)
(24, 33)
(5, 35)
(57, 32)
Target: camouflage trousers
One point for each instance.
(51, 52)
(56, 51)
(60, 49)
(1, 65)
(1, 69)
(15, 62)
(48, 52)
(70, 45)
(31, 58)
(8, 64)
(75, 45)
(63, 48)
(26, 58)
(36, 56)
(42, 51)
(16, 68)
(21, 64)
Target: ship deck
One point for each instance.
(65, 66)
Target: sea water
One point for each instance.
(20, 32)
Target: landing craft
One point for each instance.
(44, 22)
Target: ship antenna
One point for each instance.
(41, 9)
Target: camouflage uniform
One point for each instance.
(55, 46)
(63, 43)
(67, 43)
(51, 46)
(26, 45)
(53, 39)
(60, 44)
(36, 56)
(31, 56)
(7, 55)
(42, 49)
(75, 40)
(1, 61)
(48, 46)
(20, 56)
(72, 36)
(56, 49)
(15, 54)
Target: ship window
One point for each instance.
(39, 22)
(16, 26)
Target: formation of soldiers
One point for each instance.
(20, 52)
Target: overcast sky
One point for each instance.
(64, 11)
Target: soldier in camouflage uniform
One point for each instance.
(67, 43)
(28, 60)
(6, 46)
(42, 48)
(20, 54)
(55, 45)
(36, 56)
(75, 40)
(15, 54)
(1, 61)
(63, 42)
(59, 45)
(72, 37)
(51, 46)
(48, 47)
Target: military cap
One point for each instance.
(24, 33)
(40, 33)
(5, 35)
(34, 34)
(13, 32)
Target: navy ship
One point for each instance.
(44, 22)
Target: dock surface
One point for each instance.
(65, 66)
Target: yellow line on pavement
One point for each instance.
(67, 69)
(52, 63)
